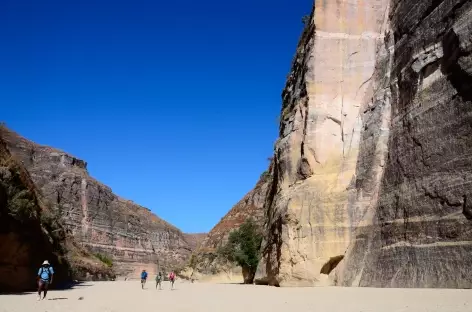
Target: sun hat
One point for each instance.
(46, 262)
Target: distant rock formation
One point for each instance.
(194, 239)
(375, 149)
(98, 219)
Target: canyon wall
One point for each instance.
(98, 219)
(373, 163)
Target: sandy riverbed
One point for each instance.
(200, 297)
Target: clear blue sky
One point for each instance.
(173, 104)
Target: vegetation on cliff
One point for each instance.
(105, 259)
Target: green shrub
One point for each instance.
(242, 248)
(105, 259)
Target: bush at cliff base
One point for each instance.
(242, 248)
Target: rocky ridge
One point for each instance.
(98, 219)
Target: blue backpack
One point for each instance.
(45, 270)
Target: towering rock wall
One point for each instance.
(373, 167)
(135, 238)
(417, 231)
(308, 216)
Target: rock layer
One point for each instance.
(375, 149)
(98, 219)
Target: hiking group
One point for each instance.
(159, 278)
(46, 274)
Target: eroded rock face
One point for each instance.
(308, 215)
(417, 230)
(134, 237)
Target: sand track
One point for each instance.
(202, 297)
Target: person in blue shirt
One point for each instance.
(45, 275)
(143, 278)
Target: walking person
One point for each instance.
(143, 278)
(172, 279)
(45, 275)
(158, 280)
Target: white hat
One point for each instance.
(46, 262)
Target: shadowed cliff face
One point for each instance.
(375, 149)
(135, 238)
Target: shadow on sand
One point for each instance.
(59, 287)
(231, 283)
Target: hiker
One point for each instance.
(158, 280)
(143, 278)
(172, 279)
(45, 275)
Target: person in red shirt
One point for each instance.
(172, 279)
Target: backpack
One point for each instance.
(43, 269)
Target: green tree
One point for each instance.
(242, 248)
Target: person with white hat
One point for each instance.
(45, 275)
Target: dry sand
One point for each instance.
(202, 297)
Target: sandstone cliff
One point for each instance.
(205, 260)
(30, 233)
(316, 153)
(374, 153)
(104, 223)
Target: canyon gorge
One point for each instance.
(370, 183)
